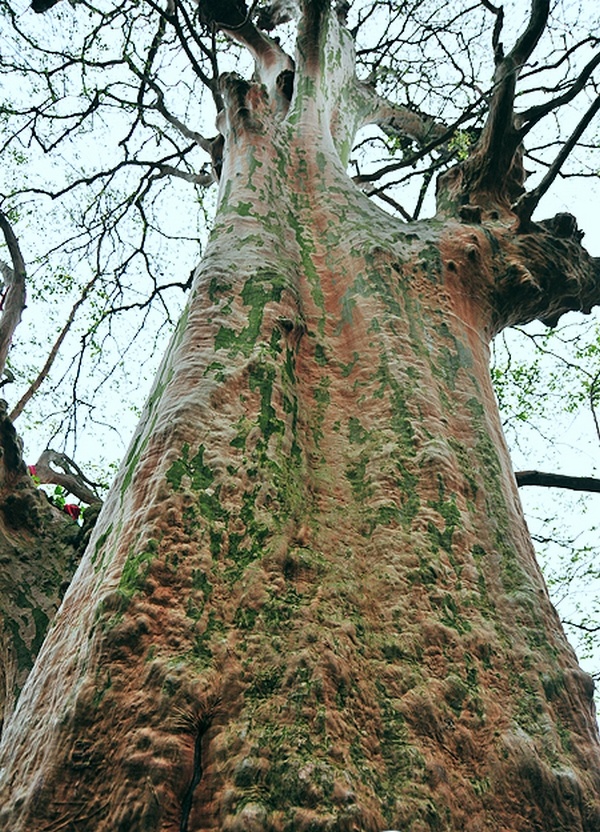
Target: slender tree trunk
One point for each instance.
(311, 601)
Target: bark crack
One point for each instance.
(197, 772)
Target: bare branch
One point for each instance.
(583, 627)
(161, 107)
(498, 11)
(546, 480)
(527, 204)
(71, 478)
(13, 300)
(34, 387)
(211, 53)
(593, 394)
(529, 118)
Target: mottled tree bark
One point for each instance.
(40, 547)
(311, 601)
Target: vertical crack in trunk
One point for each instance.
(197, 771)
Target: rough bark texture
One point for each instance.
(311, 601)
(39, 549)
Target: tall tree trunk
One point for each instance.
(311, 601)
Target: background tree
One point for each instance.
(311, 601)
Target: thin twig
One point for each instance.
(34, 387)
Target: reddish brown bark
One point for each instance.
(311, 601)
(39, 550)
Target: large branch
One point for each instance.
(546, 480)
(13, 301)
(233, 18)
(521, 51)
(546, 272)
(402, 122)
(491, 167)
(398, 121)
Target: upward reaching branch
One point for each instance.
(525, 45)
(13, 299)
(527, 204)
(234, 19)
(494, 165)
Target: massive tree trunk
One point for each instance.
(311, 601)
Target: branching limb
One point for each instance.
(523, 48)
(439, 136)
(233, 18)
(584, 627)
(527, 204)
(529, 118)
(203, 178)
(493, 166)
(71, 477)
(187, 35)
(390, 201)
(397, 121)
(498, 11)
(13, 300)
(107, 175)
(160, 106)
(546, 480)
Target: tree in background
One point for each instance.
(310, 600)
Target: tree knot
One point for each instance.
(470, 213)
(564, 226)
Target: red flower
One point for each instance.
(32, 471)
(72, 510)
